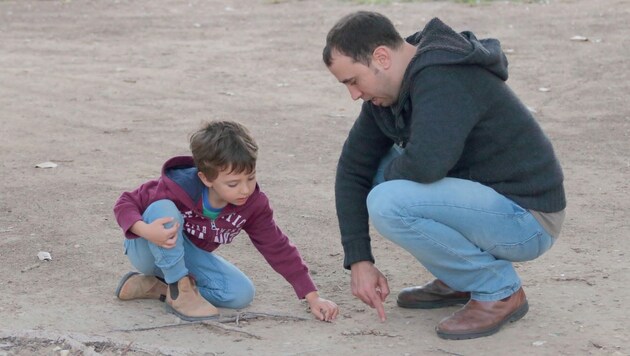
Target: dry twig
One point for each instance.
(368, 332)
(224, 319)
(26, 269)
(573, 279)
(218, 325)
(448, 352)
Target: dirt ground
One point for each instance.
(108, 90)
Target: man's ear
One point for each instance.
(382, 56)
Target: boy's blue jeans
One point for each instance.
(218, 281)
(464, 233)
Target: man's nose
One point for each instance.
(355, 93)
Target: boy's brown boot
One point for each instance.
(183, 299)
(134, 285)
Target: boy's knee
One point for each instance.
(241, 297)
(162, 208)
(235, 295)
(163, 204)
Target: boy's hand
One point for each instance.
(157, 233)
(323, 309)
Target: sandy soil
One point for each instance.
(108, 90)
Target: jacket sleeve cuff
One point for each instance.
(357, 250)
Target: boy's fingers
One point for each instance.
(174, 236)
(318, 314)
(170, 242)
(164, 220)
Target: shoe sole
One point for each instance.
(434, 304)
(122, 282)
(171, 310)
(515, 316)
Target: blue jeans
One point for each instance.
(466, 234)
(218, 281)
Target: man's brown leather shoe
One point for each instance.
(478, 319)
(434, 294)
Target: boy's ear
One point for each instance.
(204, 180)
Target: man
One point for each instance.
(446, 162)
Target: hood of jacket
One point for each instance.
(438, 44)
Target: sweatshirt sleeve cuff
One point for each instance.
(304, 286)
(127, 222)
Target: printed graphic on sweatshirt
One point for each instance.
(203, 228)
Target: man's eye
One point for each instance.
(232, 185)
(251, 178)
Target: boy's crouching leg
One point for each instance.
(241, 297)
(184, 300)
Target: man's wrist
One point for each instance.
(358, 264)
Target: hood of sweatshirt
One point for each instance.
(438, 44)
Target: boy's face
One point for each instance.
(230, 187)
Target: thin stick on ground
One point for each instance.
(224, 319)
(209, 323)
(228, 328)
(256, 315)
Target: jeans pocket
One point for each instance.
(526, 250)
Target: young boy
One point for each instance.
(173, 224)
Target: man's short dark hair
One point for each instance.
(358, 34)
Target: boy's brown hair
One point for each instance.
(221, 145)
